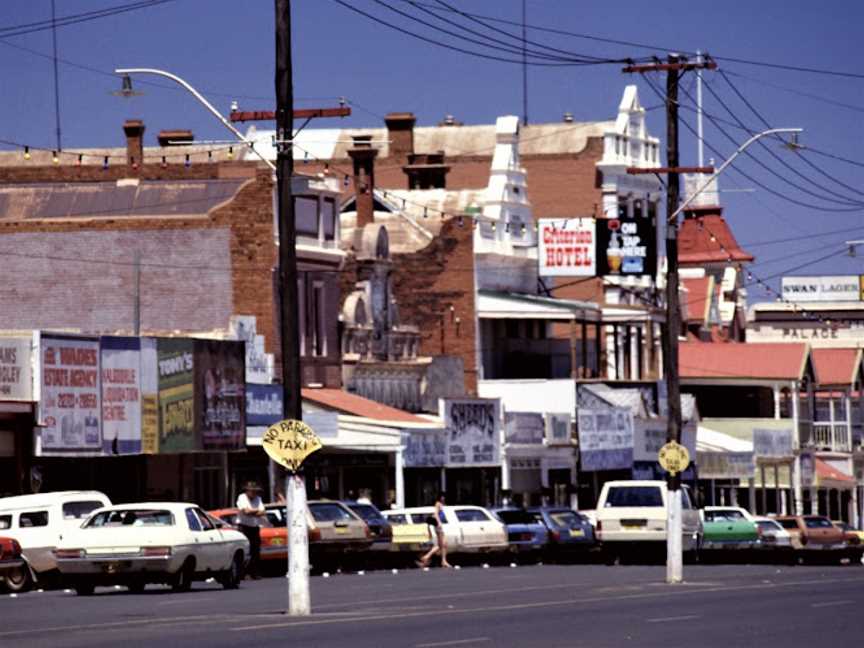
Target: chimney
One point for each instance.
(400, 132)
(134, 129)
(363, 156)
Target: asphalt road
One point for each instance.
(546, 606)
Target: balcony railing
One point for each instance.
(831, 436)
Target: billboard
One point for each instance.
(220, 399)
(848, 288)
(121, 394)
(772, 444)
(558, 429)
(70, 395)
(725, 465)
(649, 435)
(567, 247)
(424, 448)
(605, 439)
(16, 376)
(626, 246)
(524, 428)
(263, 405)
(473, 432)
(176, 363)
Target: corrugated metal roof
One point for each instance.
(358, 406)
(750, 360)
(74, 200)
(836, 366)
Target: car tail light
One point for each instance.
(368, 531)
(598, 531)
(69, 553)
(16, 548)
(157, 551)
(314, 534)
(555, 535)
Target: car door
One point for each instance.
(38, 532)
(475, 525)
(218, 547)
(202, 545)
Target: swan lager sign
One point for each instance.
(289, 443)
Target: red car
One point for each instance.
(14, 572)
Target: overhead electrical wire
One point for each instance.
(75, 19)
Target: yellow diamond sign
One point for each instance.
(674, 458)
(290, 442)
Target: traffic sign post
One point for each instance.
(289, 443)
(674, 459)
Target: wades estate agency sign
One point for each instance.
(823, 289)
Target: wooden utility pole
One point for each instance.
(674, 68)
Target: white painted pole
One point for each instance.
(298, 546)
(399, 469)
(674, 536)
(701, 143)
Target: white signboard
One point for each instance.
(772, 444)
(725, 465)
(16, 377)
(558, 429)
(259, 365)
(822, 289)
(473, 432)
(71, 398)
(567, 247)
(121, 395)
(650, 435)
(606, 438)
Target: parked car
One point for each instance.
(408, 536)
(815, 534)
(728, 527)
(468, 529)
(333, 529)
(772, 535)
(39, 522)
(380, 528)
(274, 537)
(526, 534)
(631, 518)
(14, 573)
(155, 542)
(569, 531)
(854, 537)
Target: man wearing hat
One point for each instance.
(250, 518)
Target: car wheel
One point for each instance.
(18, 579)
(183, 578)
(84, 588)
(232, 577)
(136, 587)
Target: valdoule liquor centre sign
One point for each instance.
(588, 247)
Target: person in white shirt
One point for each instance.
(251, 516)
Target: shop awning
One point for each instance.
(506, 305)
(708, 440)
(827, 476)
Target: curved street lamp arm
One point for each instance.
(203, 101)
(754, 138)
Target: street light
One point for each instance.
(674, 548)
(127, 91)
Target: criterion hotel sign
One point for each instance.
(568, 247)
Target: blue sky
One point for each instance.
(226, 49)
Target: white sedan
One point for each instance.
(155, 542)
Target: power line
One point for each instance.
(800, 93)
(655, 48)
(75, 19)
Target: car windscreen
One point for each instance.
(725, 515)
(789, 523)
(80, 509)
(397, 518)
(367, 512)
(516, 517)
(769, 525)
(131, 517)
(566, 519)
(818, 523)
(276, 516)
(329, 513)
(634, 496)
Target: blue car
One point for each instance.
(570, 532)
(525, 533)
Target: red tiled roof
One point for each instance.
(825, 470)
(836, 366)
(698, 298)
(742, 360)
(358, 406)
(705, 237)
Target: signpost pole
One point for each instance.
(299, 601)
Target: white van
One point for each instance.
(632, 515)
(38, 522)
(468, 529)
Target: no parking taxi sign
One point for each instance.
(674, 458)
(290, 442)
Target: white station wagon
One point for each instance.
(468, 529)
(154, 542)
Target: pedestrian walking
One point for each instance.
(436, 523)
(251, 516)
